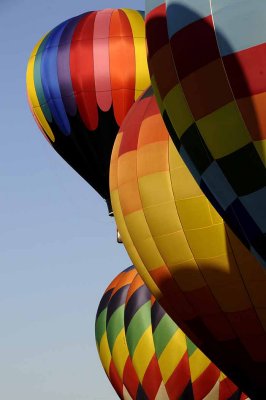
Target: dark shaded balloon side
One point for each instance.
(194, 81)
(132, 330)
(201, 274)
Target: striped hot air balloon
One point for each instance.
(82, 78)
(150, 354)
(208, 65)
(198, 270)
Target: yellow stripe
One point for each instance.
(224, 130)
(180, 117)
(143, 240)
(222, 376)
(32, 95)
(143, 353)
(131, 248)
(157, 94)
(172, 354)
(198, 364)
(120, 353)
(261, 149)
(139, 37)
(104, 353)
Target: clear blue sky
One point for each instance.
(58, 247)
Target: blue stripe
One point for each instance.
(50, 81)
(239, 24)
(152, 4)
(181, 13)
(255, 205)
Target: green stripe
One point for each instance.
(138, 325)
(115, 325)
(163, 333)
(191, 347)
(100, 326)
(38, 80)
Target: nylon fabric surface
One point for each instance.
(195, 266)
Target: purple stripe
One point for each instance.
(140, 297)
(63, 66)
(157, 313)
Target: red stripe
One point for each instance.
(205, 382)
(115, 380)
(226, 389)
(194, 46)
(130, 379)
(156, 29)
(82, 71)
(152, 379)
(152, 108)
(246, 71)
(179, 379)
(131, 126)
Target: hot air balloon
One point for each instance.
(208, 66)
(82, 78)
(199, 271)
(151, 355)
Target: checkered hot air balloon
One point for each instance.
(208, 65)
(195, 266)
(146, 355)
(82, 78)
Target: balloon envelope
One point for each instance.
(82, 78)
(198, 270)
(151, 355)
(208, 66)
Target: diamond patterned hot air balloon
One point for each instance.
(198, 270)
(139, 342)
(208, 65)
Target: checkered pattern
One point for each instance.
(208, 66)
(198, 270)
(152, 356)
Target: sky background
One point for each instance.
(58, 249)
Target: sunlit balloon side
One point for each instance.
(82, 78)
(207, 60)
(144, 350)
(198, 270)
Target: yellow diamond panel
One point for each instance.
(224, 130)
(177, 110)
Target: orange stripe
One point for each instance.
(253, 112)
(115, 282)
(122, 64)
(125, 279)
(135, 285)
